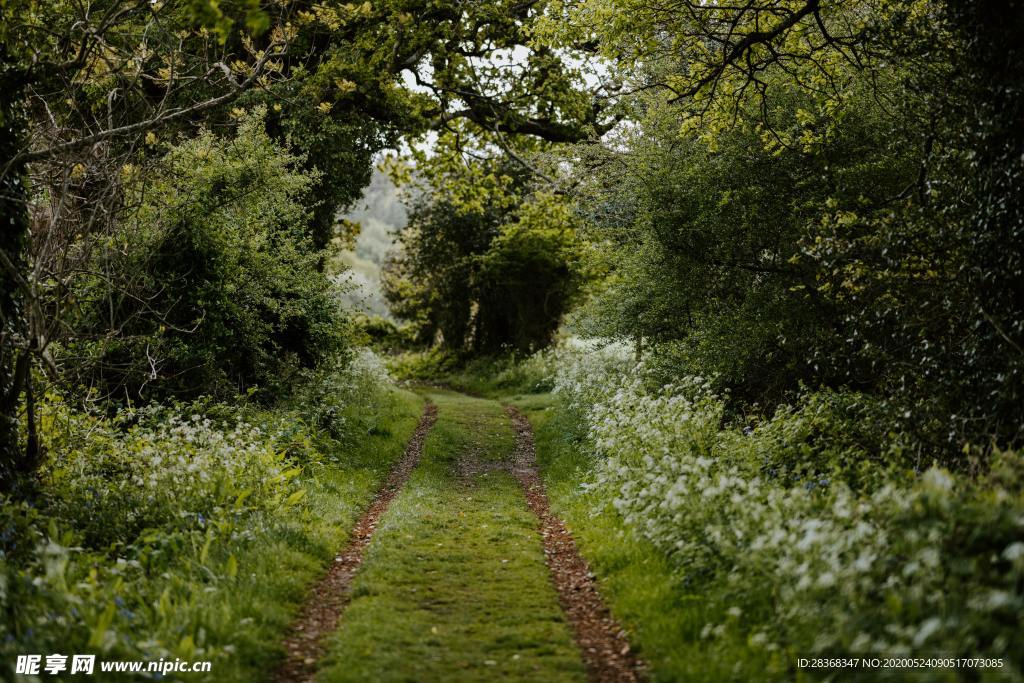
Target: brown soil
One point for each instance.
(606, 651)
(319, 615)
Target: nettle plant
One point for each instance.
(805, 544)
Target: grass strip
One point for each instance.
(454, 586)
(644, 592)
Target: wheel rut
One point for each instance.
(322, 610)
(599, 639)
(602, 641)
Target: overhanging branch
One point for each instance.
(160, 119)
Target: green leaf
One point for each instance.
(98, 634)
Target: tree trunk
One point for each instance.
(13, 233)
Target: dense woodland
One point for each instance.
(755, 271)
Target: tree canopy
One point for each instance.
(784, 194)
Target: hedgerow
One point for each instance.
(810, 543)
(135, 543)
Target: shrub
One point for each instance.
(212, 285)
(143, 515)
(171, 469)
(337, 399)
(805, 541)
(134, 521)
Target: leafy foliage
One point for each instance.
(213, 286)
(810, 546)
(88, 91)
(12, 241)
(165, 531)
(802, 206)
(487, 277)
(799, 226)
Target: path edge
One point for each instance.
(321, 610)
(602, 641)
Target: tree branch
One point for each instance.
(743, 47)
(159, 119)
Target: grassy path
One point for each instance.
(323, 608)
(454, 586)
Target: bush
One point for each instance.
(212, 284)
(336, 399)
(144, 517)
(483, 375)
(122, 506)
(171, 469)
(383, 334)
(803, 537)
(506, 374)
(423, 365)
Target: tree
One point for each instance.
(98, 87)
(210, 285)
(486, 272)
(832, 199)
(55, 60)
(992, 77)
(13, 366)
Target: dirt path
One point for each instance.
(471, 577)
(454, 587)
(602, 641)
(319, 615)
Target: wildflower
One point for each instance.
(929, 627)
(937, 479)
(1014, 551)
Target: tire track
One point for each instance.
(322, 609)
(606, 651)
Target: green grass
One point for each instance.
(276, 568)
(487, 376)
(648, 597)
(454, 586)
